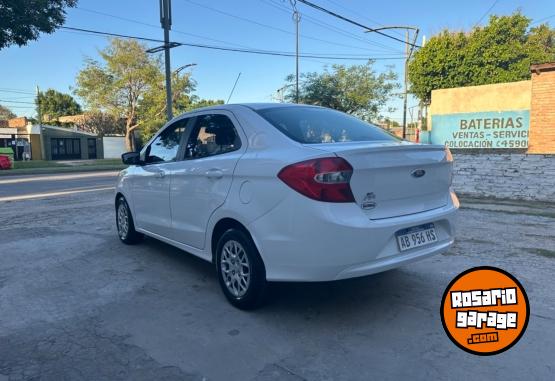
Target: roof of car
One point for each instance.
(261, 106)
(252, 106)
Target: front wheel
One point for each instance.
(124, 222)
(240, 270)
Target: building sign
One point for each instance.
(496, 129)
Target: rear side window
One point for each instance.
(314, 125)
(213, 134)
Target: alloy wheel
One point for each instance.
(123, 221)
(235, 268)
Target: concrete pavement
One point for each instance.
(76, 304)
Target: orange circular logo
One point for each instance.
(485, 310)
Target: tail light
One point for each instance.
(325, 179)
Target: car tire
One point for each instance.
(125, 225)
(235, 253)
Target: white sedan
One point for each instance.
(279, 192)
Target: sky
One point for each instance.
(53, 61)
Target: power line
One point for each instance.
(329, 27)
(24, 107)
(5, 100)
(270, 26)
(197, 35)
(542, 19)
(238, 50)
(354, 12)
(315, 6)
(156, 26)
(485, 14)
(15, 91)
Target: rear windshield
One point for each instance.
(313, 125)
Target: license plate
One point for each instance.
(416, 236)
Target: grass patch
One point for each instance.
(36, 164)
(58, 164)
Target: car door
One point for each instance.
(151, 182)
(202, 181)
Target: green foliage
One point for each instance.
(502, 51)
(6, 113)
(101, 124)
(129, 84)
(118, 85)
(53, 104)
(356, 89)
(22, 21)
(200, 103)
(153, 106)
(186, 103)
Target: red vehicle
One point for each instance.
(5, 162)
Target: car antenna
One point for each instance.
(233, 89)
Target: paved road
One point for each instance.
(76, 304)
(14, 188)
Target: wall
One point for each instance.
(49, 132)
(542, 112)
(114, 146)
(514, 176)
(493, 116)
(496, 97)
(36, 149)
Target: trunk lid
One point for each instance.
(393, 179)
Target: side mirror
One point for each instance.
(131, 158)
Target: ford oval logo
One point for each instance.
(418, 173)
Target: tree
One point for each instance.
(22, 21)
(53, 104)
(119, 84)
(129, 84)
(101, 124)
(356, 89)
(153, 106)
(502, 51)
(200, 103)
(155, 119)
(6, 113)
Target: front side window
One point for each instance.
(213, 134)
(313, 125)
(166, 145)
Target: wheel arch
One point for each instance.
(221, 227)
(118, 195)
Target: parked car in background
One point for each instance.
(276, 192)
(5, 162)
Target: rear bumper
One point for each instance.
(305, 240)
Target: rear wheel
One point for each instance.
(240, 270)
(124, 222)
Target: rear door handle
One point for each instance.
(214, 174)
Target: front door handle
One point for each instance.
(160, 174)
(214, 173)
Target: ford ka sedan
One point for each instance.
(278, 192)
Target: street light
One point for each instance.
(408, 55)
(176, 71)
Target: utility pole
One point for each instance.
(296, 19)
(409, 48)
(405, 85)
(39, 113)
(166, 21)
(41, 139)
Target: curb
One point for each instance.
(54, 170)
